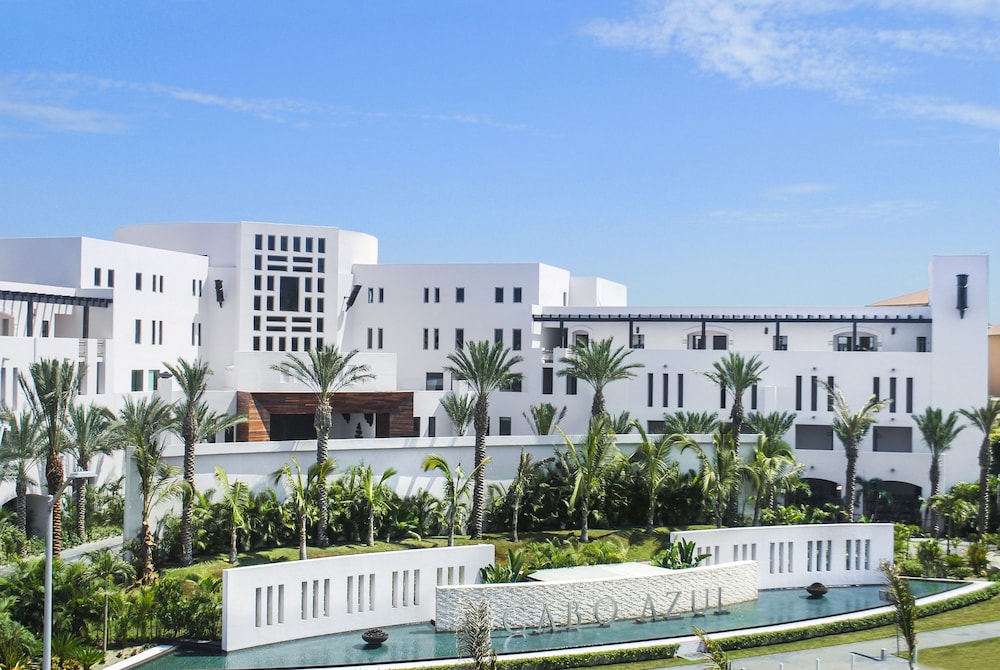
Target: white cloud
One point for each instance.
(64, 119)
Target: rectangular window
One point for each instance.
(513, 386)
(45, 328)
(111, 278)
(517, 294)
(922, 344)
(505, 425)
(814, 393)
(720, 341)
(437, 295)
(909, 395)
(307, 304)
(875, 388)
(498, 335)
(97, 276)
(270, 283)
(137, 380)
(437, 338)
(371, 338)
(432, 426)
(258, 262)
(258, 241)
(379, 338)
(427, 338)
(321, 286)
(296, 244)
(435, 381)
(459, 338)
(152, 332)
(288, 293)
(416, 427)
(892, 395)
(680, 390)
(321, 245)
(515, 337)
(427, 294)
(460, 294)
(570, 385)
(498, 294)
(371, 293)
(649, 389)
(256, 302)
(798, 393)
(161, 283)
(829, 394)
(138, 281)
(309, 245)
(269, 301)
(199, 334)
(753, 397)
(154, 380)
(722, 396)
(638, 341)
(270, 242)
(284, 243)
(381, 295)
(547, 375)
(138, 332)
(666, 390)
(781, 342)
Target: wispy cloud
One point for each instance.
(853, 49)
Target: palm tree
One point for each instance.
(589, 463)
(544, 418)
(235, 501)
(90, 435)
(140, 424)
(22, 447)
(850, 428)
(53, 387)
(773, 426)
(374, 494)
(658, 469)
(109, 568)
(772, 468)
(325, 372)
(721, 472)
(461, 409)
(938, 432)
(690, 423)
(955, 510)
(302, 491)
(456, 487)
(486, 367)
(596, 364)
(984, 419)
(524, 480)
(736, 375)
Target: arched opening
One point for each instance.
(890, 500)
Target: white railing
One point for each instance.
(263, 604)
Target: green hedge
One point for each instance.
(590, 659)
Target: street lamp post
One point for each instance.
(53, 497)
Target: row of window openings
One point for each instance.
(285, 343)
(498, 294)
(280, 263)
(505, 425)
(814, 384)
(282, 243)
(156, 284)
(434, 381)
(156, 332)
(780, 342)
(432, 338)
(278, 324)
(111, 277)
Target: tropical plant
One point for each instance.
(659, 470)
(302, 491)
(939, 432)
(140, 424)
(375, 495)
(588, 464)
(984, 419)
(955, 511)
(850, 428)
(679, 555)
(905, 607)
(773, 426)
(773, 469)
(516, 569)
(977, 554)
(456, 487)
(326, 371)
(473, 635)
(691, 423)
(21, 449)
(53, 387)
(461, 409)
(544, 418)
(90, 428)
(717, 659)
(736, 375)
(111, 570)
(522, 484)
(596, 364)
(621, 423)
(721, 472)
(235, 502)
(486, 367)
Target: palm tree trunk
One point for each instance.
(451, 525)
(148, 569)
(322, 422)
(233, 554)
(650, 513)
(935, 518)
(515, 513)
(597, 408)
(21, 491)
(584, 516)
(850, 486)
(80, 495)
(985, 460)
(482, 422)
(302, 538)
(104, 644)
(733, 504)
(53, 480)
(187, 496)
(371, 525)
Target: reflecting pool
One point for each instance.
(420, 642)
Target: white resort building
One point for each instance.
(243, 295)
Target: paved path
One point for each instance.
(78, 551)
(839, 657)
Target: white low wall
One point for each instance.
(262, 604)
(527, 605)
(793, 556)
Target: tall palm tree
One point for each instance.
(22, 447)
(53, 388)
(984, 418)
(773, 426)
(461, 409)
(544, 418)
(721, 472)
(850, 428)
(939, 432)
(524, 480)
(302, 491)
(659, 470)
(235, 501)
(589, 464)
(736, 375)
(690, 423)
(486, 367)
(325, 372)
(597, 365)
(374, 494)
(110, 569)
(90, 428)
(140, 424)
(456, 487)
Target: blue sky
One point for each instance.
(772, 152)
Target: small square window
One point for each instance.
(505, 425)
(435, 381)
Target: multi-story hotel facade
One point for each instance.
(242, 296)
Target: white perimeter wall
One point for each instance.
(796, 556)
(263, 604)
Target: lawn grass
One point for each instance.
(960, 656)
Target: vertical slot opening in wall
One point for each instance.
(717, 555)
(416, 587)
(771, 566)
(847, 557)
(451, 575)
(791, 549)
(304, 604)
(270, 605)
(350, 594)
(395, 587)
(326, 597)
(736, 552)
(406, 588)
(440, 575)
(258, 606)
(857, 554)
(809, 556)
(753, 551)
(868, 554)
(361, 593)
(371, 591)
(829, 555)
(315, 599)
(781, 557)
(461, 574)
(281, 603)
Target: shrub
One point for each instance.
(976, 555)
(679, 555)
(911, 567)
